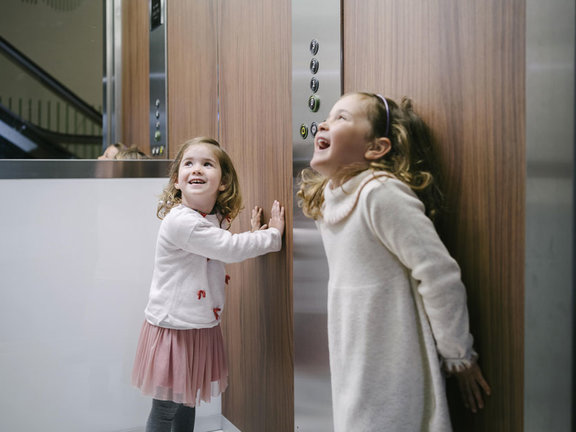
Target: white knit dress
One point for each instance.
(396, 309)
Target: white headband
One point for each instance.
(383, 99)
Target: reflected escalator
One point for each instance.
(20, 138)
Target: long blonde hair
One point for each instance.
(228, 202)
(410, 159)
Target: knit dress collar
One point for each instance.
(341, 201)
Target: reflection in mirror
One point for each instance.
(51, 74)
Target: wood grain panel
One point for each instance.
(192, 71)
(255, 95)
(135, 75)
(462, 61)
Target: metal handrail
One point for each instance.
(48, 80)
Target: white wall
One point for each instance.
(76, 259)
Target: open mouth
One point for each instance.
(196, 181)
(322, 143)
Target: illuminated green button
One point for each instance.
(157, 136)
(314, 103)
(303, 131)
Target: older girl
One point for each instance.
(397, 309)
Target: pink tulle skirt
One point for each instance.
(183, 366)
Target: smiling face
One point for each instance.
(199, 177)
(343, 138)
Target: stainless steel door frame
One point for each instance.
(316, 86)
(550, 295)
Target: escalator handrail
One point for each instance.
(49, 136)
(49, 81)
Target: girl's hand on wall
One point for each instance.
(256, 219)
(471, 383)
(277, 217)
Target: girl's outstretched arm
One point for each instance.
(471, 383)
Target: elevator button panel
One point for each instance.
(157, 76)
(316, 86)
(316, 58)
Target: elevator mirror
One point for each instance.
(59, 92)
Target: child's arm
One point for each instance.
(397, 218)
(194, 234)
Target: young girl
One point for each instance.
(180, 358)
(396, 304)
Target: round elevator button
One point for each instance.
(314, 65)
(314, 103)
(314, 128)
(314, 45)
(314, 84)
(303, 131)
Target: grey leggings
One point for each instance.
(168, 416)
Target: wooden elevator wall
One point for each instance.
(255, 127)
(463, 64)
(192, 70)
(229, 77)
